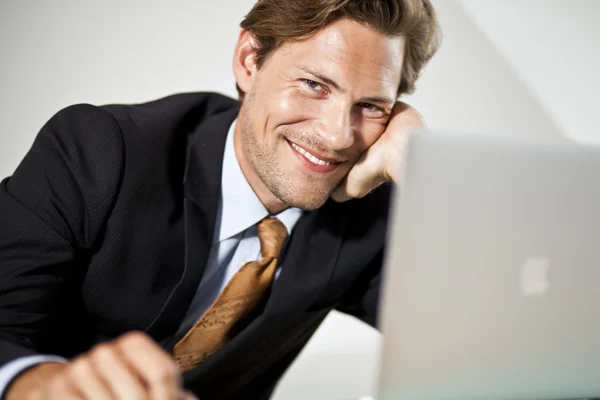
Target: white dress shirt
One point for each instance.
(235, 243)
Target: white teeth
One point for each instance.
(310, 157)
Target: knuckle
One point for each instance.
(102, 352)
(134, 338)
(354, 191)
(80, 368)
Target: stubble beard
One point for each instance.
(264, 160)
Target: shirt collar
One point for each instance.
(240, 207)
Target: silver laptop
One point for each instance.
(492, 276)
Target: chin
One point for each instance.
(309, 205)
(304, 199)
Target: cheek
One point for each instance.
(291, 107)
(282, 107)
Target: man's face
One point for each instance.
(313, 108)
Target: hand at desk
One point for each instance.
(131, 367)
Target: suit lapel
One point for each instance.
(202, 188)
(310, 259)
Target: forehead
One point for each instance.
(351, 53)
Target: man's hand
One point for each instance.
(131, 367)
(384, 160)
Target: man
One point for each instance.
(190, 244)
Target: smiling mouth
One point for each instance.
(311, 157)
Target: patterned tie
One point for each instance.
(237, 301)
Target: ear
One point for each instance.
(244, 60)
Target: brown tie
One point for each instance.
(239, 298)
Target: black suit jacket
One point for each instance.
(106, 225)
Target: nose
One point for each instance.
(335, 127)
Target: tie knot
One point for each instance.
(272, 234)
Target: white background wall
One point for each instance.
(554, 48)
(525, 67)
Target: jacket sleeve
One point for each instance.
(52, 212)
(362, 300)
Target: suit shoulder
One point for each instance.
(171, 110)
(156, 134)
(72, 172)
(83, 128)
(83, 115)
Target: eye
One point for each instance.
(371, 110)
(370, 107)
(313, 85)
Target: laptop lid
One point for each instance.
(492, 273)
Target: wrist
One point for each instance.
(395, 161)
(394, 170)
(30, 384)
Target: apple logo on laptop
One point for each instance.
(534, 276)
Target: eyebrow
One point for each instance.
(322, 77)
(379, 100)
(332, 83)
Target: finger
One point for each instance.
(351, 187)
(123, 383)
(339, 194)
(156, 368)
(410, 116)
(348, 191)
(86, 381)
(60, 388)
(363, 177)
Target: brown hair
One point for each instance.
(274, 22)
